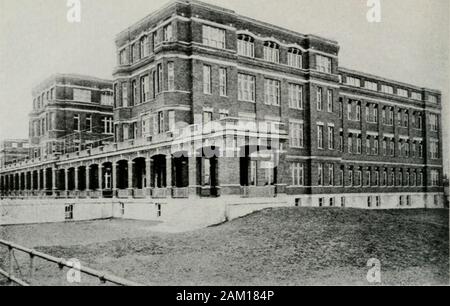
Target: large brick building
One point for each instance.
(13, 150)
(70, 112)
(209, 103)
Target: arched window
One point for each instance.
(294, 58)
(271, 52)
(246, 45)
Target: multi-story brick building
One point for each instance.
(209, 103)
(70, 113)
(13, 150)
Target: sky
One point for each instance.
(411, 43)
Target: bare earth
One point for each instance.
(288, 246)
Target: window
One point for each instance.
(402, 92)
(272, 92)
(376, 147)
(158, 210)
(253, 173)
(369, 202)
(271, 52)
(391, 147)
(207, 79)
(331, 202)
(416, 95)
(126, 132)
(246, 45)
(172, 121)
(341, 109)
(223, 82)
(350, 144)
(434, 148)
(294, 58)
(297, 135)
(432, 99)
(400, 201)
(159, 70)
(81, 95)
(144, 46)
(320, 137)
(434, 122)
(124, 94)
(368, 151)
(161, 126)
(331, 175)
(331, 137)
(387, 89)
(419, 122)
(384, 179)
(342, 201)
(68, 212)
(295, 96)
(330, 100)
(358, 145)
(134, 93)
(353, 81)
(297, 171)
(213, 37)
(107, 125)
(323, 63)
(207, 118)
(145, 89)
(368, 178)
(358, 112)
(392, 178)
(246, 85)
(349, 111)
(390, 117)
(321, 201)
(123, 59)
(145, 126)
(170, 76)
(134, 53)
(319, 94)
(320, 175)
(89, 123)
(156, 40)
(371, 85)
(76, 123)
(167, 31)
(376, 180)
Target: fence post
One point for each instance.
(11, 263)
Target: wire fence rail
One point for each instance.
(62, 263)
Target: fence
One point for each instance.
(62, 263)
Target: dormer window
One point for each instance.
(433, 99)
(294, 58)
(387, 89)
(213, 37)
(352, 81)
(323, 64)
(416, 96)
(271, 52)
(246, 45)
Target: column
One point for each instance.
(193, 178)
(44, 180)
(66, 181)
(54, 174)
(130, 177)
(148, 174)
(169, 172)
(38, 180)
(114, 179)
(100, 179)
(76, 179)
(87, 178)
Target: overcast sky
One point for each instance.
(411, 44)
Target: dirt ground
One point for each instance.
(287, 246)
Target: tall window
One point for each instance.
(123, 57)
(298, 176)
(331, 174)
(170, 76)
(271, 52)
(213, 37)
(320, 175)
(206, 79)
(107, 125)
(124, 94)
(319, 98)
(358, 145)
(76, 123)
(145, 125)
(434, 122)
(207, 117)
(330, 100)
(172, 121)
(134, 52)
(160, 78)
(125, 132)
(296, 134)
(246, 85)
(167, 32)
(246, 45)
(349, 111)
(294, 58)
(272, 92)
(331, 137)
(134, 93)
(295, 96)
(223, 82)
(89, 123)
(350, 144)
(320, 136)
(161, 126)
(144, 46)
(323, 63)
(434, 148)
(145, 88)
(434, 178)
(358, 112)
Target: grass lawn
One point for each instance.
(286, 246)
